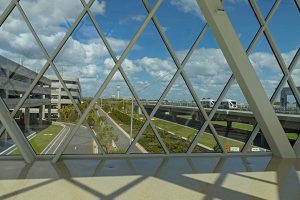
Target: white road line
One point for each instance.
(31, 137)
(49, 146)
(61, 140)
(13, 147)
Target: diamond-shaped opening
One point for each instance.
(208, 71)
(84, 140)
(296, 78)
(7, 145)
(149, 142)
(286, 104)
(36, 120)
(151, 68)
(183, 31)
(178, 118)
(233, 120)
(207, 143)
(3, 5)
(66, 112)
(119, 23)
(84, 57)
(51, 27)
(265, 6)
(243, 20)
(296, 73)
(266, 66)
(120, 110)
(284, 30)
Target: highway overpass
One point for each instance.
(288, 121)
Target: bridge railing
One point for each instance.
(278, 109)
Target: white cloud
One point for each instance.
(208, 72)
(161, 70)
(191, 6)
(187, 6)
(138, 18)
(207, 68)
(99, 7)
(129, 66)
(127, 19)
(268, 70)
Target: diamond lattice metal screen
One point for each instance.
(149, 78)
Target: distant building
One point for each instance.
(285, 92)
(59, 97)
(15, 80)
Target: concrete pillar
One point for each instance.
(263, 141)
(49, 112)
(41, 109)
(228, 128)
(27, 119)
(44, 107)
(173, 115)
(59, 99)
(283, 101)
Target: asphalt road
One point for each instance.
(123, 140)
(81, 143)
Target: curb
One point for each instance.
(140, 147)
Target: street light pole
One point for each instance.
(118, 91)
(131, 119)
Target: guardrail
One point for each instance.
(288, 110)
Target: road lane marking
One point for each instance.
(61, 140)
(49, 146)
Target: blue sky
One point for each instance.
(149, 65)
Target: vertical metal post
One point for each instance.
(131, 120)
(246, 77)
(15, 133)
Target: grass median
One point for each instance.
(42, 139)
(249, 127)
(187, 132)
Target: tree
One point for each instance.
(105, 134)
(67, 114)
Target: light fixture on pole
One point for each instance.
(118, 91)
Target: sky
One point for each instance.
(149, 66)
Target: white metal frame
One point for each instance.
(222, 29)
(15, 133)
(246, 77)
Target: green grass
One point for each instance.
(42, 139)
(248, 127)
(292, 136)
(237, 125)
(184, 131)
